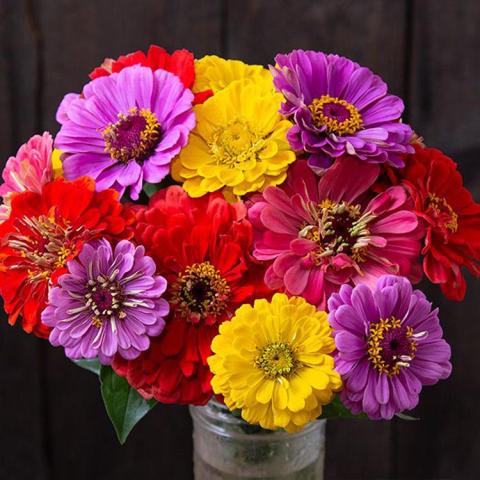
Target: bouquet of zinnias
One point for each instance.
(202, 228)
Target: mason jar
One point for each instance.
(228, 448)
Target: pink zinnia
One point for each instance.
(324, 232)
(29, 170)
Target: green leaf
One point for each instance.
(152, 188)
(406, 417)
(336, 409)
(124, 405)
(92, 365)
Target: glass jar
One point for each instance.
(228, 448)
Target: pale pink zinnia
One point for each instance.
(29, 170)
(324, 232)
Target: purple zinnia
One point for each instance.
(340, 108)
(125, 128)
(389, 343)
(109, 302)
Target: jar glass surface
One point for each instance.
(228, 448)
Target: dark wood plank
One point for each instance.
(6, 100)
(22, 429)
(77, 37)
(84, 442)
(445, 92)
(444, 443)
(443, 106)
(372, 33)
(22, 403)
(18, 77)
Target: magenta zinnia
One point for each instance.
(389, 343)
(322, 233)
(125, 128)
(109, 302)
(339, 108)
(29, 170)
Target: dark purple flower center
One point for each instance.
(133, 137)
(336, 111)
(391, 345)
(335, 115)
(105, 299)
(200, 293)
(339, 228)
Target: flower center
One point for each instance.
(45, 244)
(105, 299)
(339, 228)
(235, 144)
(391, 345)
(442, 212)
(276, 359)
(133, 137)
(200, 293)
(337, 116)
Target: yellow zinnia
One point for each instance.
(239, 144)
(273, 362)
(215, 73)
(57, 163)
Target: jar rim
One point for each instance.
(214, 413)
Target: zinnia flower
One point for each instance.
(239, 144)
(125, 128)
(340, 108)
(29, 170)
(324, 232)
(202, 247)
(44, 231)
(214, 73)
(389, 343)
(451, 217)
(180, 63)
(109, 301)
(273, 362)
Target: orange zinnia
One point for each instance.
(44, 231)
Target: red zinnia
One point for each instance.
(451, 216)
(180, 62)
(202, 247)
(44, 231)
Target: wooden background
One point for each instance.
(52, 422)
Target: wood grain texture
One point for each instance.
(79, 35)
(52, 421)
(23, 436)
(445, 91)
(18, 76)
(444, 443)
(444, 105)
(363, 31)
(22, 426)
(84, 442)
(6, 100)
